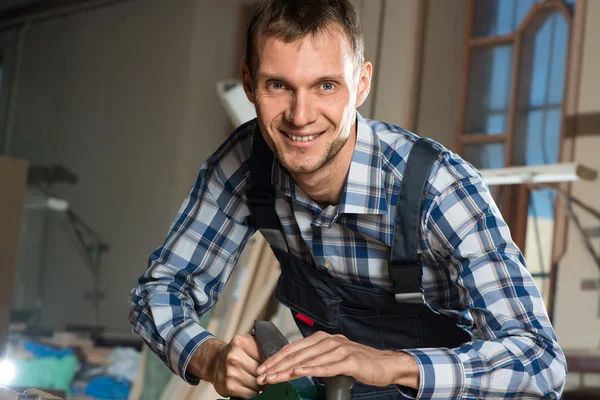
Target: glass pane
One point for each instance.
(542, 77)
(489, 89)
(489, 155)
(499, 17)
(540, 235)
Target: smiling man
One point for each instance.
(395, 260)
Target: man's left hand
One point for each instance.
(323, 355)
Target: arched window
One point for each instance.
(513, 111)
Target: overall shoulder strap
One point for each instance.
(404, 264)
(261, 194)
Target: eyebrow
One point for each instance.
(273, 77)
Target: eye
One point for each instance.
(328, 86)
(277, 85)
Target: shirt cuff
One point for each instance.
(441, 373)
(183, 343)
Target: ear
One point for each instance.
(364, 83)
(247, 81)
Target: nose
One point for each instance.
(301, 111)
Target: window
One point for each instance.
(512, 111)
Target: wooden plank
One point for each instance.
(177, 388)
(230, 323)
(548, 173)
(583, 360)
(484, 138)
(464, 90)
(135, 393)
(484, 41)
(13, 180)
(261, 292)
(583, 124)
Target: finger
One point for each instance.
(319, 356)
(249, 366)
(248, 381)
(323, 370)
(238, 359)
(292, 348)
(330, 349)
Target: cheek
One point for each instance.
(337, 108)
(269, 107)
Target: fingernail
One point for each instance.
(271, 377)
(261, 369)
(299, 369)
(261, 378)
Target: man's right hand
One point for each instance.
(230, 367)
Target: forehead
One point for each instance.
(323, 53)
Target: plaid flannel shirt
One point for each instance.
(472, 270)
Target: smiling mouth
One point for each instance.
(305, 138)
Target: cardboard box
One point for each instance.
(13, 182)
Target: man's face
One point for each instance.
(306, 94)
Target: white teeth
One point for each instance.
(301, 138)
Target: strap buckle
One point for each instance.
(412, 298)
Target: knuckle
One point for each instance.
(231, 358)
(229, 385)
(287, 349)
(237, 341)
(342, 351)
(351, 360)
(234, 362)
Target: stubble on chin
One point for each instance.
(323, 161)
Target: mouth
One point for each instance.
(300, 140)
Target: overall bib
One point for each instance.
(370, 316)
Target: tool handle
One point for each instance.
(338, 387)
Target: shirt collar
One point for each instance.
(364, 190)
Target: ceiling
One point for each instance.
(6, 5)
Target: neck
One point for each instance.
(326, 185)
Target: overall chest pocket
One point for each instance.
(317, 304)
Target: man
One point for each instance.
(401, 272)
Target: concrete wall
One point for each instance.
(125, 98)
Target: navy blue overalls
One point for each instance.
(373, 317)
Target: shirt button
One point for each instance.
(328, 264)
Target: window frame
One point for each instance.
(516, 198)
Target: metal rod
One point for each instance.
(14, 86)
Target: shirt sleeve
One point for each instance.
(514, 352)
(188, 272)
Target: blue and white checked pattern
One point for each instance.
(472, 270)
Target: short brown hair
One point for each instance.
(290, 20)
